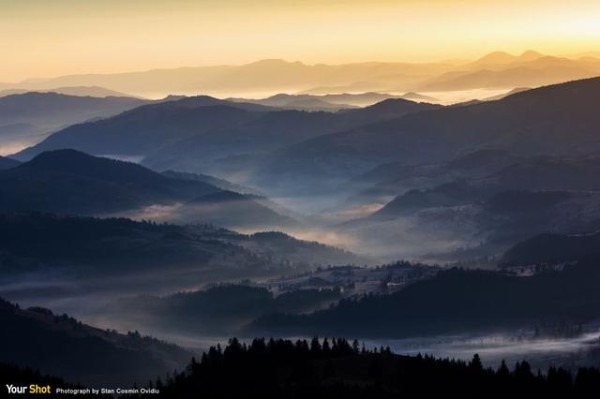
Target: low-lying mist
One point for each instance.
(573, 352)
(403, 238)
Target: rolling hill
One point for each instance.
(478, 183)
(147, 128)
(7, 163)
(189, 134)
(396, 178)
(279, 76)
(218, 310)
(557, 120)
(28, 118)
(484, 205)
(332, 102)
(553, 248)
(36, 241)
(301, 102)
(271, 132)
(69, 181)
(72, 182)
(269, 75)
(81, 91)
(61, 345)
(531, 69)
(453, 302)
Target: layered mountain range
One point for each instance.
(131, 211)
(425, 165)
(498, 70)
(29, 117)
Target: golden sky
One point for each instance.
(43, 38)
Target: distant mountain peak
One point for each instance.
(496, 56)
(274, 62)
(413, 96)
(391, 104)
(62, 155)
(173, 97)
(531, 55)
(88, 91)
(77, 162)
(502, 57)
(199, 100)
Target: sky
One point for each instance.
(46, 38)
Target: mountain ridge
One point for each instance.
(276, 75)
(70, 181)
(26, 119)
(37, 338)
(532, 122)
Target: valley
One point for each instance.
(143, 232)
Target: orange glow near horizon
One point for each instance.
(49, 38)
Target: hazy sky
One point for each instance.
(42, 38)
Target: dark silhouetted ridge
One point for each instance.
(553, 248)
(337, 368)
(7, 163)
(63, 346)
(455, 301)
(69, 181)
(79, 163)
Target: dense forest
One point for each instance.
(63, 346)
(15, 375)
(553, 248)
(31, 241)
(219, 310)
(339, 369)
(455, 301)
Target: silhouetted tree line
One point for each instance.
(15, 375)
(337, 368)
(63, 346)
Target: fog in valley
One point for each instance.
(445, 214)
